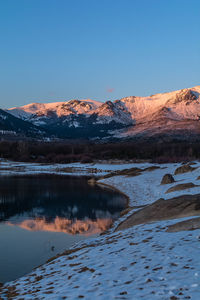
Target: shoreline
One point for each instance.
(72, 176)
(116, 190)
(123, 214)
(135, 255)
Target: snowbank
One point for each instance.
(142, 262)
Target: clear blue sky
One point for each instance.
(56, 50)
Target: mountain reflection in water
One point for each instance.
(58, 204)
(85, 227)
(41, 216)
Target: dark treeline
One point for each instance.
(66, 152)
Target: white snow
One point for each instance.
(127, 111)
(76, 169)
(3, 117)
(59, 108)
(142, 262)
(146, 188)
(143, 107)
(9, 132)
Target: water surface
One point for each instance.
(41, 216)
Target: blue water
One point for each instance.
(42, 216)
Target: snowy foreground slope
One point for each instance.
(142, 262)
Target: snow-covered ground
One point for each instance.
(146, 188)
(142, 262)
(75, 169)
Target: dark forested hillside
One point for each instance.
(84, 151)
(9, 123)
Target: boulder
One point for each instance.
(167, 178)
(180, 187)
(152, 168)
(191, 224)
(174, 208)
(184, 169)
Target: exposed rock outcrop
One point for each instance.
(184, 169)
(191, 224)
(184, 96)
(178, 207)
(180, 187)
(167, 178)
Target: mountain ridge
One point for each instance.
(119, 118)
(13, 126)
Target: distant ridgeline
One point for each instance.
(173, 115)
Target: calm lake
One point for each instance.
(41, 216)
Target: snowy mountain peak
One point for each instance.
(41, 113)
(129, 111)
(187, 95)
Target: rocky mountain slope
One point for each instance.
(75, 118)
(173, 114)
(176, 113)
(13, 126)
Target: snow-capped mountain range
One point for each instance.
(176, 112)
